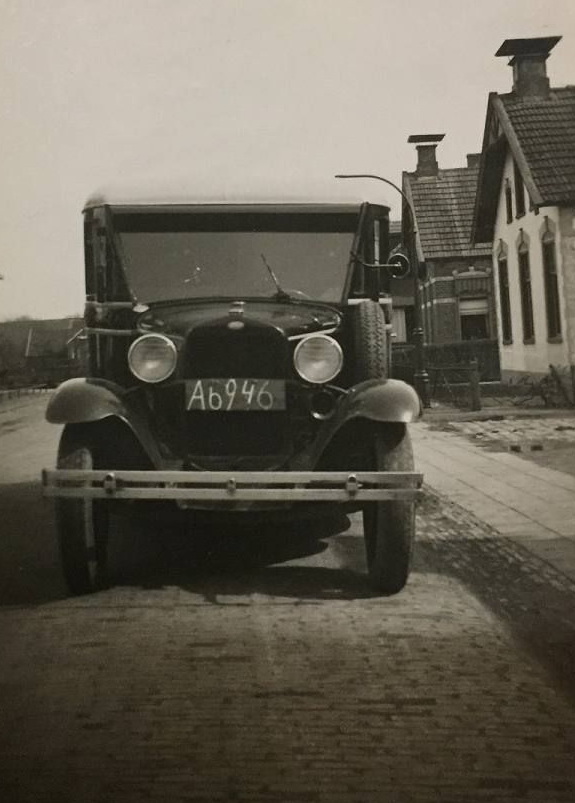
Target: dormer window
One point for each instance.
(508, 201)
(519, 191)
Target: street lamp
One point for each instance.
(420, 375)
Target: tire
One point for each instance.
(389, 526)
(82, 524)
(370, 342)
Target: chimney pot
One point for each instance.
(426, 145)
(528, 60)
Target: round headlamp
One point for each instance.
(152, 358)
(318, 358)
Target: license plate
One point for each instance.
(224, 395)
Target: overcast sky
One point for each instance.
(91, 91)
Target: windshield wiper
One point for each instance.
(281, 294)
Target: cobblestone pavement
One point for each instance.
(517, 431)
(251, 667)
(547, 440)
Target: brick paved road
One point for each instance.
(256, 671)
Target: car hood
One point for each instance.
(293, 318)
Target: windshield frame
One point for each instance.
(325, 211)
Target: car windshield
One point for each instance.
(169, 256)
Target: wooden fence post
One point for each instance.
(474, 388)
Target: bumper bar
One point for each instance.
(190, 486)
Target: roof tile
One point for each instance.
(443, 207)
(545, 130)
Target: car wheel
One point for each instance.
(389, 526)
(370, 342)
(82, 525)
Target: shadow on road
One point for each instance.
(29, 568)
(535, 601)
(206, 560)
(240, 561)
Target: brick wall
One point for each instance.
(441, 302)
(446, 322)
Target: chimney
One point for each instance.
(528, 57)
(426, 159)
(473, 159)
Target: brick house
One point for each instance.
(526, 206)
(457, 286)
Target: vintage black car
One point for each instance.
(239, 355)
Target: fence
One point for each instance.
(446, 355)
(456, 384)
(16, 393)
(455, 370)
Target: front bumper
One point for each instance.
(188, 487)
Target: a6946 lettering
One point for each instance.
(225, 395)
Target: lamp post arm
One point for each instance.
(391, 184)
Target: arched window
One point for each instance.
(508, 201)
(552, 307)
(504, 299)
(519, 190)
(525, 290)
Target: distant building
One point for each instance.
(457, 286)
(526, 206)
(41, 351)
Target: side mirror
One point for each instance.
(399, 265)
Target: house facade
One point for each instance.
(456, 280)
(526, 206)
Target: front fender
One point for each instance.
(86, 401)
(81, 401)
(379, 400)
(385, 400)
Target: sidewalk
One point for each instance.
(530, 504)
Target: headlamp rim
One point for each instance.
(147, 336)
(318, 336)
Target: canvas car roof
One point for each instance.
(343, 194)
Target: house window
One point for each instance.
(474, 318)
(357, 288)
(504, 299)
(519, 191)
(551, 286)
(526, 293)
(409, 323)
(399, 325)
(508, 201)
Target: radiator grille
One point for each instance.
(253, 352)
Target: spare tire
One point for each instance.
(370, 350)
